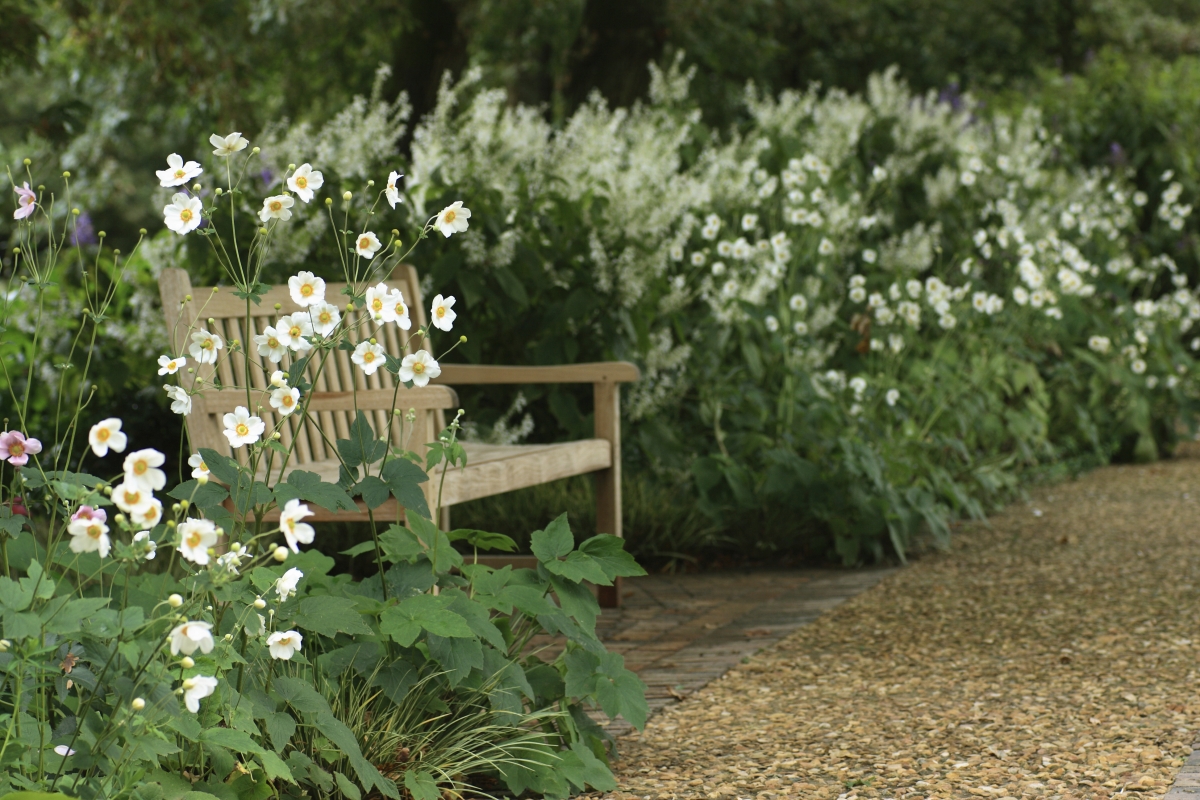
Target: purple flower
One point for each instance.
(89, 513)
(26, 202)
(16, 449)
(267, 177)
(84, 232)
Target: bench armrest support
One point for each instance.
(599, 372)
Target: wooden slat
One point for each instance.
(598, 372)
(518, 467)
(225, 400)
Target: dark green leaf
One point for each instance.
(405, 621)
(373, 490)
(308, 486)
(554, 542)
(404, 478)
(330, 616)
(224, 469)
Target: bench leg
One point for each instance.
(608, 482)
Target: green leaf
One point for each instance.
(337, 732)
(405, 621)
(577, 601)
(362, 447)
(280, 727)
(483, 540)
(35, 796)
(609, 553)
(66, 617)
(620, 692)
(421, 785)
(432, 539)
(373, 490)
(21, 625)
(275, 767)
(238, 741)
(13, 525)
(225, 469)
(330, 616)
(554, 542)
(300, 696)
(577, 567)
(359, 549)
(14, 596)
(347, 787)
(404, 479)
(583, 769)
(308, 486)
(457, 656)
(206, 496)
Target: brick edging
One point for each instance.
(1187, 782)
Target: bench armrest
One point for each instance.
(599, 372)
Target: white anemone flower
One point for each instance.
(284, 644)
(419, 367)
(367, 245)
(453, 219)
(399, 310)
(199, 468)
(64, 751)
(106, 435)
(270, 346)
(295, 531)
(324, 318)
(142, 466)
(278, 207)
(149, 515)
(89, 535)
(242, 427)
(377, 302)
(177, 173)
(306, 289)
(168, 365)
(798, 303)
(1138, 366)
(191, 636)
(1100, 344)
(228, 145)
(304, 181)
(287, 583)
(392, 192)
(205, 346)
(149, 546)
(278, 379)
(892, 396)
(442, 313)
(181, 401)
(369, 357)
(131, 497)
(285, 400)
(196, 689)
(183, 215)
(195, 537)
(293, 331)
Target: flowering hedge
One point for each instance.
(857, 317)
(153, 648)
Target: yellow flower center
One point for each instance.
(272, 343)
(103, 434)
(95, 531)
(140, 467)
(179, 173)
(364, 243)
(401, 310)
(17, 449)
(276, 205)
(242, 429)
(207, 344)
(377, 304)
(325, 317)
(294, 331)
(450, 216)
(204, 466)
(418, 367)
(441, 311)
(132, 498)
(368, 357)
(287, 401)
(186, 215)
(291, 524)
(302, 182)
(306, 290)
(193, 539)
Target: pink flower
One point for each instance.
(16, 449)
(26, 205)
(89, 513)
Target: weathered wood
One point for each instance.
(219, 401)
(607, 398)
(599, 372)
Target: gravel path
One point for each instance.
(1051, 656)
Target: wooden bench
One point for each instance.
(491, 469)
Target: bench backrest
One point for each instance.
(335, 386)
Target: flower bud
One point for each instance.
(189, 683)
(219, 191)
(346, 196)
(195, 187)
(184, 504)
(75, 212)
(187, 298)
(176, 507)
(116, 252)
(26, 162)
(142, 232)
(202, 480)
(187, 662)
(281, 553)
(107, 490)
(370, 184)
(263, 231)
(212, 321)
(255, 151)
(138, 704)
(4, 645)
(328, 201)
(278, 306)
(175, 601)
(260, 603)
(276, 435)
(41, 187)
(350, 306)
(229, 637)
(101, 234)
(373, 341)
(291, 167)
(119, 519)
(170, 523)
(462, 339)
(395, 232)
